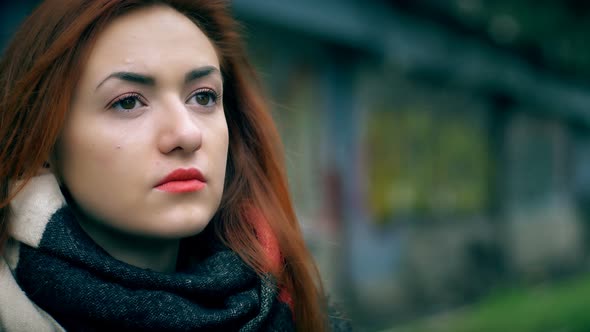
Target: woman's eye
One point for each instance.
(205, 97)
(127, 103)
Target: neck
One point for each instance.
(144, 252)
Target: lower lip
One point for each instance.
(181, 186)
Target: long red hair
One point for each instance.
(38, 75)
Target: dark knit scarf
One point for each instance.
(85, 289)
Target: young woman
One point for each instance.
(141, 181)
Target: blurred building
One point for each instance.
(435, 149)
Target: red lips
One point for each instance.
(182, 181)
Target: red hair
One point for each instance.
(38, 75)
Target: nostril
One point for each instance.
(182, 136)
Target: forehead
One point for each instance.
(150, 39)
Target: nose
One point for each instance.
(179, 129)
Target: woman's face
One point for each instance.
(148, 105)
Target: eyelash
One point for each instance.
(119, 99)
(212, 93)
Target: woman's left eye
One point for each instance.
(204, 97)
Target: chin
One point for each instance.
(179, 229)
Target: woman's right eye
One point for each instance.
(127, 103)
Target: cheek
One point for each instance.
(83, 152)
(101, 171)
(220, 134)
(221, 147)
(92, 156)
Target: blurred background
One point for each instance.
(438, 154)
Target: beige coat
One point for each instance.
(31, 211)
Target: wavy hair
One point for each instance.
(38, 75)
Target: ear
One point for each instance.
(45, 169)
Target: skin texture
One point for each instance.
(112, 153)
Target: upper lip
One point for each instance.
(183, 174)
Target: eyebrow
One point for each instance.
(198, 73)
(141, 79)
(130, 77)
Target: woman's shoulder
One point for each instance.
(17, 312)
